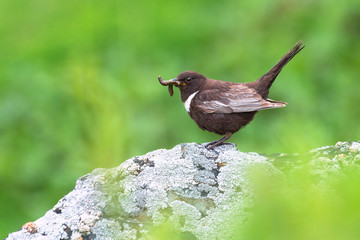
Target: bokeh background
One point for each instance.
(79, 89)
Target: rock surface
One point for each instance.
(197, 190)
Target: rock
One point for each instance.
(197, 191)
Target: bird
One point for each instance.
(225, 107)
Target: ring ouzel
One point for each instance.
(224, 107)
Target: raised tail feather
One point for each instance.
(263, 84)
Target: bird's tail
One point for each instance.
(263, 84)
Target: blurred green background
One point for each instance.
(79, 89)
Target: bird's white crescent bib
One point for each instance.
(188, 101)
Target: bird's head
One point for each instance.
(188, 82)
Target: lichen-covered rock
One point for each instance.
(198, 191)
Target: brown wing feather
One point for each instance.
(239, 99)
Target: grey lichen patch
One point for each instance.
(196, 185)
(339, 160)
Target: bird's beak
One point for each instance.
(171, 82)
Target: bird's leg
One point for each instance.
(214, 144)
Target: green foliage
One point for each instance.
(79, 90)
(319, 201)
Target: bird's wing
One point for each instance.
(236, 99)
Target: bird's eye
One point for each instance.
(188, 79)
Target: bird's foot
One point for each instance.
(211, 145)
(214, 144)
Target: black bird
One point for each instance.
(224, 107)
